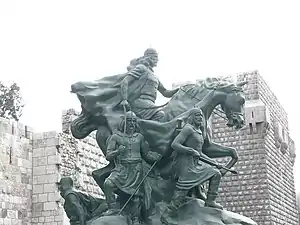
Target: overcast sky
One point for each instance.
(45, 46)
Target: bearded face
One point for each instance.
(131, 124)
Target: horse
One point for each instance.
(206, 95)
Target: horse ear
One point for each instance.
(242, 83)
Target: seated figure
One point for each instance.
(78, 206)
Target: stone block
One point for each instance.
(59, 218)
(52, 142)
(35, 198)
(46, 213)
(52, 150)
(50, 206)
(37, 189)
(49, 178)
(35, 220)
(49, 219)
(50, 169)
(38, 152)
(37, 207)
(54, 159)
(54, 197)
(42, 161)
(12, 214)
(50, 188)
(39, 170)
(6, 221)
(43, 197)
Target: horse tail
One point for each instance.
(81, 127)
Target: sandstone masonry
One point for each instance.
(15, 173)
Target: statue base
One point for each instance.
(191, 213)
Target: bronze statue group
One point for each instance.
(129, 152)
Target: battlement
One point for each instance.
(15, 128)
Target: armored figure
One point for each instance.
(191, 171)
(78, 206)
(141, 71)
(127, 148)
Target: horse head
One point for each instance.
(233, 103)
(210, 93)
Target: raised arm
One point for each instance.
(166, 93)
(177, 144)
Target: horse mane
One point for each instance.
(219, 83)
(216, 83)
(212, 83)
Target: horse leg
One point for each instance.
(103, 133)
(100, 175)
(214, 150)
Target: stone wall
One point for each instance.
(279, 156)
(31, 164)
(46, 173)
(264, 189)
(15, 173)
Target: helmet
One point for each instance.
(150, 51)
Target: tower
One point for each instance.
(264, 190)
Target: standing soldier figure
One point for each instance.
(127, 148)
(191, 171)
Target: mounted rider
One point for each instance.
(144, 105)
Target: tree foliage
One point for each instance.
(10, 101)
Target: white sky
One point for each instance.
(45, 46)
